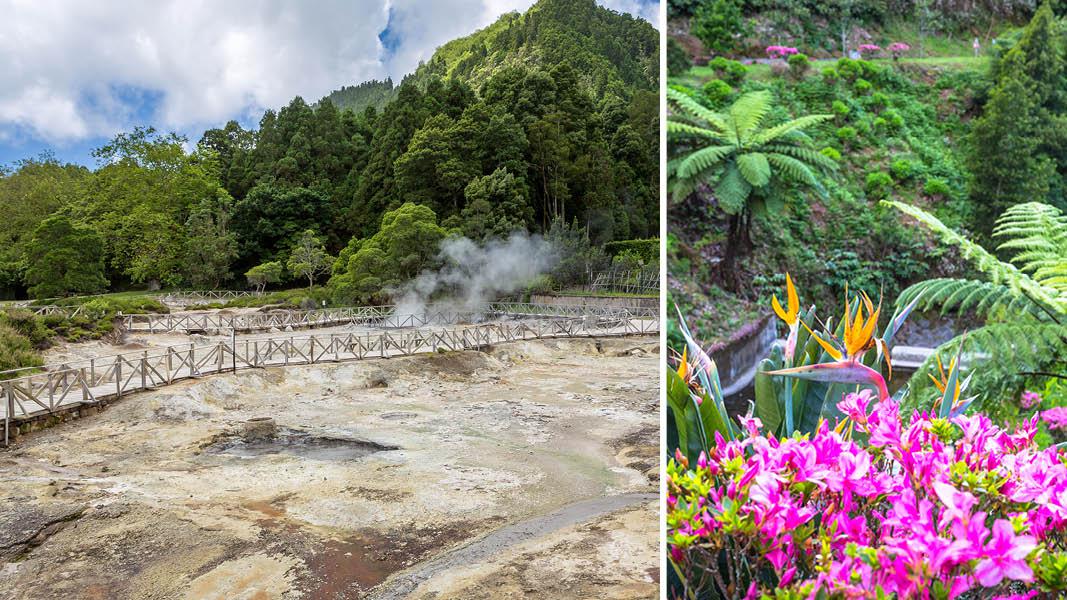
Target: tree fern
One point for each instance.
(1023, 305)
(740, 159)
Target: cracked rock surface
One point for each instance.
(526, 471)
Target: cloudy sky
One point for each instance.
(72, 74)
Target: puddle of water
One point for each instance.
(297, 443)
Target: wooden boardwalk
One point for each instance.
(87, 382)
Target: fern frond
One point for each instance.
(700, 160)
(999, 356)
(999, 272)
(747, 112)
(732, 190)
(755, 168)
(778, 131)
(677, 128)
(807, 155)
(694, 109)
(797, 170)
(1038, 234)
(987, 300)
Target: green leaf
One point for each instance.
(769, 407)
(755, 168)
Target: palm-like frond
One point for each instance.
(679, 129)
(700, 160)
(755, 168)
(732, 190)
(795, 169)
(999, 357)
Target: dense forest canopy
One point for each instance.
(550, 116)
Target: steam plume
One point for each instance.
(474, 275)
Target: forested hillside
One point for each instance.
(962, 136)
(356, 98)
(547, 117)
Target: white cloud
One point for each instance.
(74, 70)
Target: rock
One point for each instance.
(258, 429)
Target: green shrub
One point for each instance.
(830, 75)
(647, 251)
(840, 109)
(16, 351)
(878, 185)
(880, 125)
(849, 69)
(831, 153)
(902, 169)
(862, 87)
(28, 325)
(717, 91)
(936, 188)
(798, 65)
(678, 61)
(846, 134)
(894, 120)
(730, 71)
(878, 101)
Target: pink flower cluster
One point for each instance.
(931, 509)
(1029, 399)
(1056, 418)
(870, 49)
(898, 48)
(780, 51)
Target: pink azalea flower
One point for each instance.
(854, 406)
(1005, 556)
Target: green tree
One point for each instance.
(210, 247)
(308, 257)
(33, 190)
(64, 259)
(496, 206)
(140, 198)
(678, 61)
(406, 244)
(719, 24)
(1017, 144)
(744, 162)
(264, 274)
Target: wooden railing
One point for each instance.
(380, 316)
(99, 379)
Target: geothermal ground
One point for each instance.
(525, 471)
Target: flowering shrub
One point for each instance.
(1029, 399)
(932, 509)
(898, 49)
(869, 49)
(1056, 418)
(774, 52)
